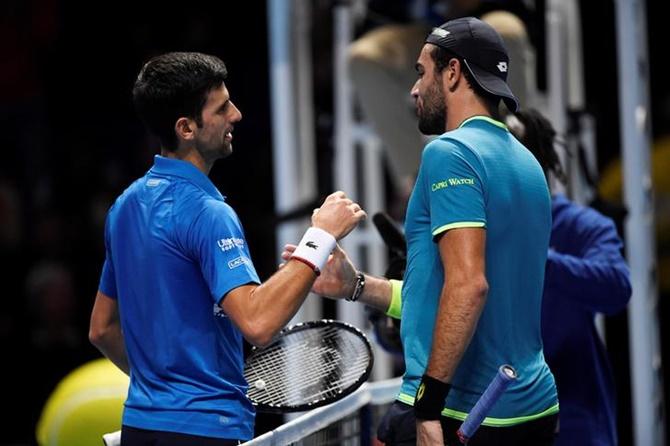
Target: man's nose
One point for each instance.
(415, 90)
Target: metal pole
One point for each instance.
(283, 118)
(556, 77)
(304, 97)
(291, 178)
(361, 177)
(580, 191)
(635, 126)
(345, 162)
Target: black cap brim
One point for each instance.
(494, 85)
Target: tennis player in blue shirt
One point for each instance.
(477, 228)
(178, 290)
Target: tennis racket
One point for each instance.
(308, 365)
(506, 374)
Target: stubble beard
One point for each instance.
(433, 117)
(212, 153)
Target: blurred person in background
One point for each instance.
(55, 342)
(178, 290)
(586, 275)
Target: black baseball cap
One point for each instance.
(483, 52)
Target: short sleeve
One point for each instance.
(107, 283)
(455, 181)
(216, 241)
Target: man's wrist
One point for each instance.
(430, 398)
(314, 248)
(358, 288)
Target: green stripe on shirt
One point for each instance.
(487, 119)
(488, 421)
(460, 224)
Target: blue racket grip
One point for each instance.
(506, 374)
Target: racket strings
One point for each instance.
(279, 387)
(307, 366)
(310, 382)
(296, 356)
(308, 388)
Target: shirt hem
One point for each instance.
(488, 421)
(183, 423)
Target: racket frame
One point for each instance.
(302, 326)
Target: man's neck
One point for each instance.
(464, 108)
(190, 156)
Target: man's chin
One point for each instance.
(429, 130)
(226, 151)
(432, 124)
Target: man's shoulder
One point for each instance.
(206, 210)
(449, 143)
(129, 193)
(190, 196)
(474, 132)
(458, 136)
(183, 194)
(472, 138)
(451, 147)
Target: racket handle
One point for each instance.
(506, 374)
(112, 439)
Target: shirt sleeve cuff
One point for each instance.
(456, 225)
(396, 299)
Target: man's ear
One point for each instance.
(453, 74)
(184, 127)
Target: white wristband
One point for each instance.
(315, 247)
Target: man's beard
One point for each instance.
(433, 117)
(211, 152)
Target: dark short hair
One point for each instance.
(539, 136)
(442, 56)
(175, 85)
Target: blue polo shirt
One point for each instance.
(174, 248)
(479, 175)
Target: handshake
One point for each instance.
(318, 249)
(338, 215)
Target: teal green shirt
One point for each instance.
(479, 175)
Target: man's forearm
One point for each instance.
(112, 345)
(260, 311)
(455, 324)
(461, 301)
(377, 293)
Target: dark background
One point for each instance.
(71, 144)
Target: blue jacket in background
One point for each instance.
(586, 274)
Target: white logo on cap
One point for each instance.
(502, 66)
(439, 32)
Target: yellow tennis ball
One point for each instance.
(86, 404)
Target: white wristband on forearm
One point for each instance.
(314, 248)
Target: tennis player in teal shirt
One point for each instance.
(480, 176)
(477, 227)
